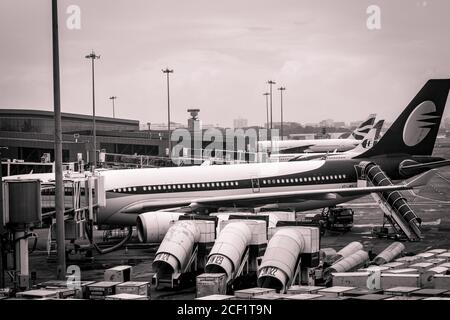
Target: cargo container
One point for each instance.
(445, 255)
(401, 291)
(38, 294)
(427, 277)
(303, 289)
(63, 293)
(361, 291)
(99, 290)
(404, 298)
(118, 274)
(334, 291)
(252, 293)
(426, 255)
(216, 297)
(441, 281)
(402, 271)
(350, 279)
(395, 280)
(211, 284)
(134, 287)
(126, 296)
(271, 296)
(421, 266)
(395, 265)
(445, 265)
(372, 297)
(332, 298)
(374, 268)
(429, 292)
(410, 259)
(302, 296)
(436, 261)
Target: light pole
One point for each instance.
(2, 229)
(149, 132)
(270, 82)
(92, 56)
(113, 98)
(267, 108)
(281, 96)
(167, 71)
(59, 183)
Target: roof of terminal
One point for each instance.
(45, 114)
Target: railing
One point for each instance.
(136, 161)
(215, 156)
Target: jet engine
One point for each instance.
(153, 226)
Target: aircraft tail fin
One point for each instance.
(415, 130)
(363, 129)
(367, 142)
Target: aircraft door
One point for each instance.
(255, 185)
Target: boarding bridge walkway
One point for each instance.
(394, 205)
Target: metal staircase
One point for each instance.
(394, 205)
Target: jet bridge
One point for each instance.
(290, 258)
(183, 251)
(238, 249)
(394, 205)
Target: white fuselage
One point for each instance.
(281, 157)
(300, 146)
(163, 188)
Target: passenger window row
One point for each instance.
(225, 184)
(203, 186)
(305, 179)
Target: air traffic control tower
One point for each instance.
(195, 130)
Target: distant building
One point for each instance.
(240, 123)
(339, 124)
(326, 123)
(302, 136)
(354, 124)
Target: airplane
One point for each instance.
(364, 128)
(370, 139)
(403, 152)
(319, 145)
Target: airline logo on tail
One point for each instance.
(378, 126)
(364, 128)
(415, 130)
(419, 123)
(367, 143)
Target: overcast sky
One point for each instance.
(223, 52)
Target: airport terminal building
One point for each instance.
(28, 134)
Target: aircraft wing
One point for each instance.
(300, 149)
(425, 166)
(304, 157)
(261, 198)
(303, 195)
